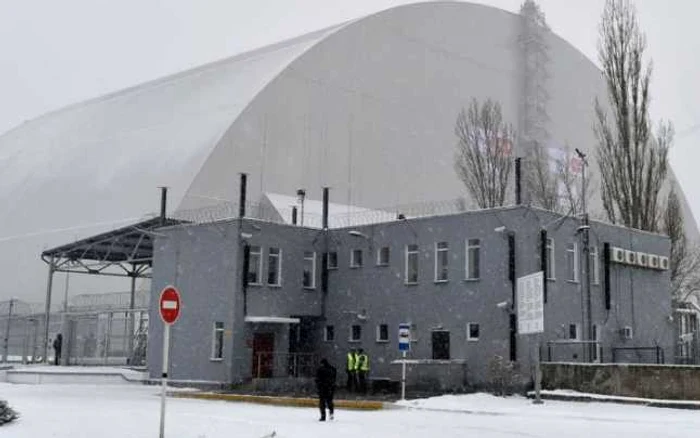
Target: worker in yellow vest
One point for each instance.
(362, 367)
(351, 370)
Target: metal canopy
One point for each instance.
(129, 248)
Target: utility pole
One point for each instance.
(586, 280)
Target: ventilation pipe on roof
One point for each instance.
(163, 203)
(518, 199)
(241, 196)
(325, 208)
(294, 215)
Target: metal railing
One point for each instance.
(268, 365)
(638, 355)
(573, 351)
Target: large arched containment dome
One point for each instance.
(366, 108)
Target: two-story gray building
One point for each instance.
(263, 299)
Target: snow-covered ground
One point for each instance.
(126, 411)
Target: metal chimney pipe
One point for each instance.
(325, 208)
(163, 203)
(241, 195)
(518, 198)
(294, 215)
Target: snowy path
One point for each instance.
(125, 411)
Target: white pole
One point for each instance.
(164, 378)
(403, 376)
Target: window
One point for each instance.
(472, 331)
(255, 265)
(309, 270)
(472, 259)
(332, 260)
(217, 341)
(550, 259)
(442, 257)
(356, 258)
(572, 262)
(383, 256)
(441, 345)
(274, 265)
(573, 332)
(355, 333)
(411, 264)
(595, 276)
(382, 333)
(329, 333)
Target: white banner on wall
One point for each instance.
(530, 305)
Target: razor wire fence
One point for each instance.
(338, 217)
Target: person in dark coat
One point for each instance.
(57, 345)
(325, 385)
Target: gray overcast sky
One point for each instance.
(56, 53)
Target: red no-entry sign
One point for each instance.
(169, 304)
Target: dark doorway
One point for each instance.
(263, 350)
(441, 344)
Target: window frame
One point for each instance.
(217, 336)
(354, 259)
(577, 330)
(468, 247)
(312, 275)
(278, 256)
(470, 338)
(332, 255)
(351, 334)
(572, 251)
(381, 262)
(442, 266)
(408, 254)
(259, 272)
(595, 265)
(551, 259)
(329, 329)
(378, 337)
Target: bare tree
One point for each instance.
(633, 161)
(554, 180)
(541, 180)
(684, 259)
(483, 158)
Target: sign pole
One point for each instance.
(538, 371)
(403, 376)
(404, 347)
(169, 306)
(164, 378)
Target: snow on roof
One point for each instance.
(339, 215)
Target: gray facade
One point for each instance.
(205, 262)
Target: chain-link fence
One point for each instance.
(96, 329)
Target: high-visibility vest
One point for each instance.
(362, 363)
(352, 361)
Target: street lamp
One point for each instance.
(584, 229)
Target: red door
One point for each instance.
(263, 348)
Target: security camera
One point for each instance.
(500, 229)
(503, 304)
(246, 235)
